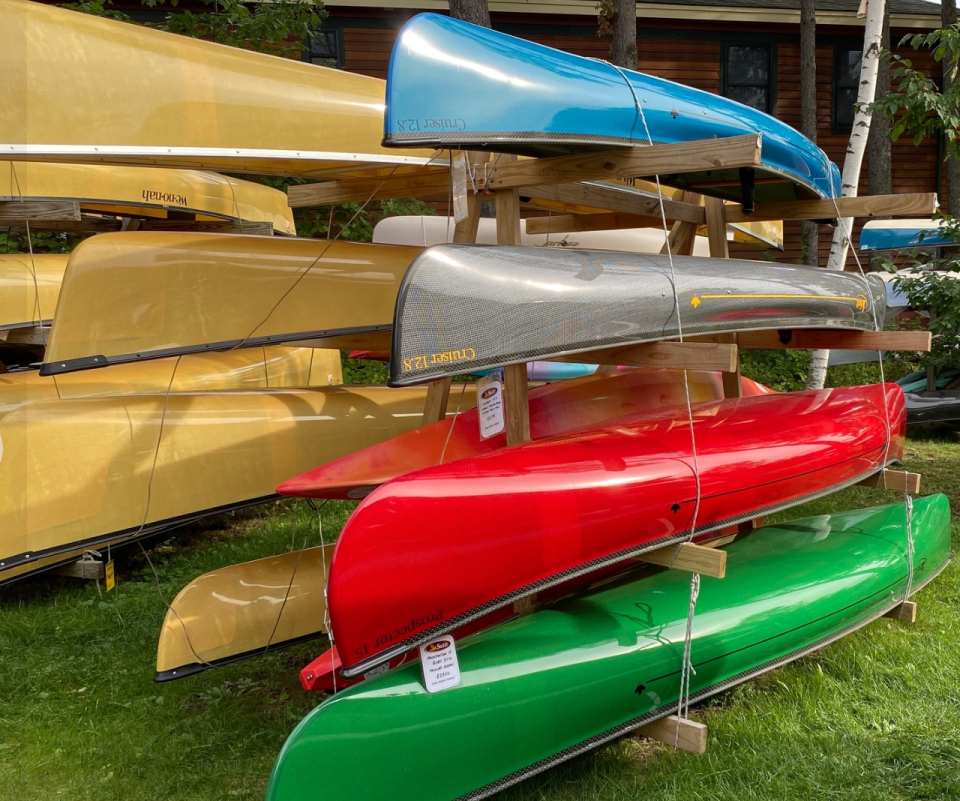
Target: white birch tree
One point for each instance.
(853, 161)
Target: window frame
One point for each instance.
(306, 54)
(771, 48)
(838, 48)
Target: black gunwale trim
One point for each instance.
(130, 534)
(193, 668)
(446, 626)
(88, 362)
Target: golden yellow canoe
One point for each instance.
(29, 288)
(135, 296)
(88, 472)
(150, 193)
(274, 367)
(244, 610)
(152, 98)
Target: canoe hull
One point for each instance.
(463, 308)
(543, 688)
(553, 409)
(539, 513)
(215, 450)
(216, 292)
(453, 84)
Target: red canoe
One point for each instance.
(554, 408)
(431, 550)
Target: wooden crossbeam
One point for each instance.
(435, 406)
(689, 557)
(822, 339)
(507, 173)
(715, 211)
(633, 209)
(427, 181)
(915, 204)
(905, 612)
(19, 210)
(88, 569)
(714, 154)
(27, 335)
(687, 735)
(897, 480)
(678, 355)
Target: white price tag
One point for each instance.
(459, 178)
(441, 670)
(490, 405)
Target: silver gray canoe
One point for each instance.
(463, 308)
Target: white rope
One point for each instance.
(907, 499)
(686, 668)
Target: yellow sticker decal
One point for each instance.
(444, 357)
(695, 301)
(109, 575)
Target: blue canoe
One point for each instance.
(898, 234)
(453, 84)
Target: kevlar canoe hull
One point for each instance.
(463, 308)
(273, 367)
(553, 409)
(152, 98)
(141, 463)
(431, 550)
(150, 193)
(941, 406)
(136, 296)
(453, 84)
(29, 288)
(242, 611)
(546, 687)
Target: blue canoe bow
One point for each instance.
(453, 84)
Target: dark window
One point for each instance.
(846, 86)
(323, 48)
(748, 75)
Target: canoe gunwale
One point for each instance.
(364, 666)
(701, 695)
(116, 537)
(27, 324)
(89, 362)
(192, 669)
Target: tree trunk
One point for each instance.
(809, 231)
(948, 17)
(879, 169)
(475, 11)
(623, 49)
(852, 163)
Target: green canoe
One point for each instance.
(543, 688)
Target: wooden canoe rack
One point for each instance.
(681, 733)
(557, 179)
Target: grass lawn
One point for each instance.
(875, 716)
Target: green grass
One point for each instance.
(875, 716)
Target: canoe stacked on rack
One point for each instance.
(520, 566)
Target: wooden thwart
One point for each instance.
(824, 339)
(692, 558)
(687, 735)
(898, 480)
(905, 612)
(678, 355)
